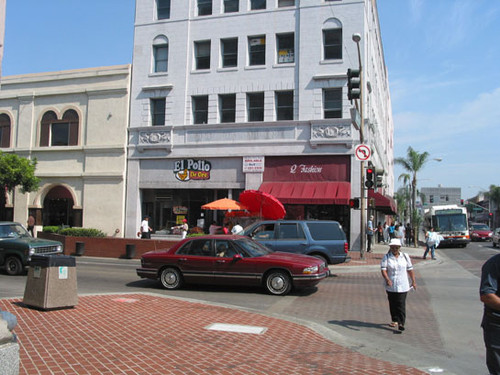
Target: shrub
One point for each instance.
(51, 229)
(74, 232)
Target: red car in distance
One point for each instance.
(480, 232)
(231, 260)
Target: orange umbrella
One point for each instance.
(224, 204)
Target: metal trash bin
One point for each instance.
(51, 282)
(129, 251)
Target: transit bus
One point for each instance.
(450, 222)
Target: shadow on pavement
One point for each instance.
(356, 325)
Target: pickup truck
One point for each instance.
(17, 246)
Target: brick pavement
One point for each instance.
(152, 334)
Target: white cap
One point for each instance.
(395, 242)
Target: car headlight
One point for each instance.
(309, 270)
(31, 251)
(59, 248)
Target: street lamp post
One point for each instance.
(357, 38)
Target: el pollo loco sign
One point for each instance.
(192, 169)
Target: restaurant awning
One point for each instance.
(383, 203)
(308, 192)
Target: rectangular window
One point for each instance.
(332, 44)
(255, 105)
(229, 51)
(59, 134)
(257, 50)
(286, 3)
(227, 105)
(204, 7)
(163, 9)
(332, 103)
(160, 53)
(231, 6)
(285, 45)
(202, 55)
(200, 109)
(284, 105)
(158, 112)
(257, 4)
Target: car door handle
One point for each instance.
(220, 261)
(182, 259)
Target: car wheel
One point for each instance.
(13, 266)
(278, 283)
(321, 257)
(171, 278)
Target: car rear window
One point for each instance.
(325, 231)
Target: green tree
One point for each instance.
(413, 163)
(16, 171)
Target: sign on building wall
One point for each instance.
(253, 164)
(192, 169)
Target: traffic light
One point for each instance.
(353, 84)
(354, 203)
(379, 178)
(461, 202)
(369, 178)
(431, 199)
(490, 215)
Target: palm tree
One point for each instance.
(413, 163)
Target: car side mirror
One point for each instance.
(237, 257)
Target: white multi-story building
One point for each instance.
(74, 123)
(252, 94)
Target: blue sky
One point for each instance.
(442, 57)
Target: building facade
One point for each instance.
(74, 123)
(234, 95)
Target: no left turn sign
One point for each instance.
(363, 152)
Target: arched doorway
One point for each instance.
(58, 207)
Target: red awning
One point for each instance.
(308, 192)
(383, 202)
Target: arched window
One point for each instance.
(160, 54)
(332, 39)
(4, 131)
(55, 132)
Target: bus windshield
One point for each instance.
(450, 223)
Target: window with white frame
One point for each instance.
(257, 50)
(200, 109)
(202, 55)
(286, 48)
(160, 54)
(227, 107)
(204, 7)
(158, 111)
(229, 52)
(284, 105)
(332, 43)
(286, 3)
(257, 4)
(163, 9)
(231, 6)
(332, 102)
(255, 106)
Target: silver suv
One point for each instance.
(322, 239)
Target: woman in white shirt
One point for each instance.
(396, 267)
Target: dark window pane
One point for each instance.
(325, 231)
(229, 52)
(202, 54)
(204, 7)
(200, 109)
(257, 50)
(332, 103)
(332, 43)
(163, 9)
(161, 58)
(255, 106)
(284, 105)
(4, 131)
(257, 4)
(158, 111)
(285, 45)
(231, 6)
(286, 3)
(227, 108)
(59, 134)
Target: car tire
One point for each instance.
(171, 278)
(278, 283)
(13, 266)
(321, 257)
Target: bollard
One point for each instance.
(129, 251)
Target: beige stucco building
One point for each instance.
(75, 124)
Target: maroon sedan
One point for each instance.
(480, 232)
(231, 260)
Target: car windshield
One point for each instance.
(254, 249)
(13, 231)
(480, 227)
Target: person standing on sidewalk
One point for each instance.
(369, 234)
(145, 228)
(431, 242)
(490, 296)
(396, 267)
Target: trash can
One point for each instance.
(129, 251)
(51, 282)
(79, 248)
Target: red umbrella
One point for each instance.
(262, 204)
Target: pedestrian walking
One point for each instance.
(431, 242)
(369, 234)
(380, 232)
(490, 296)
(408, 231)
(31, 225)
(386, 233)
(145, 230)
(396, 268)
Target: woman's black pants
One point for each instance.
(397, 306)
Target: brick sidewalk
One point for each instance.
(148, 334)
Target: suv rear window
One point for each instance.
(325, 231)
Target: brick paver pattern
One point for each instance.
(147, 334)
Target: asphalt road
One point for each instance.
(443, 330)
